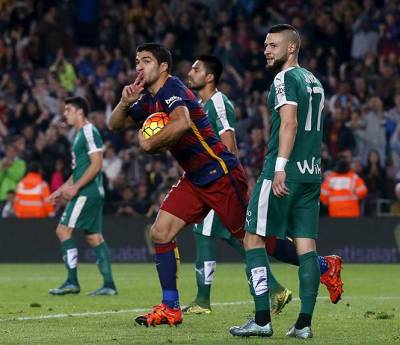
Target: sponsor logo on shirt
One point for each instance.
(172, 100)
(309, 167)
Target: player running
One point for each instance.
(213, 179)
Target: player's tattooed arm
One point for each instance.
(130, 94)
(179, 123)
(287, 135)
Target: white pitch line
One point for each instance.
(138, 310)
(122, 311)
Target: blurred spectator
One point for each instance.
(357, 125)
(51, 34)
(227, 49)
(155, 175)
(112, 165)
(342, 190)
(344, 100)
(361, 91)
(365, 39)
(389, 31)
(326, 160)
(395, 206)
(385, 85)
(31, 195)
(394, 113)
(155, 206)
(255, 149)
(113, 196)
(376, 181)
(64, 71)
(357, 166)
(337, 136)
(100, 121)
(58, 177)
(374, 134)
(126, 206)
(142, 201)
(7, 211)
(12, 170)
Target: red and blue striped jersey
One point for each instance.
(199, 151)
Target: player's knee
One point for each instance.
(94, 239)
(63, 233)
(252, 241)
(305, 245)
(160, 234)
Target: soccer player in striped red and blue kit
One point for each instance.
(213, 179)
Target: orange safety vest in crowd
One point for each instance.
(30, 198)
(342, 194)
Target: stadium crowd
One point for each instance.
(49, 51)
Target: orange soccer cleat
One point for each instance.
(331, 278)
(161, 314)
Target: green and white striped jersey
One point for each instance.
(87, 141)
(221, 113)
(299, 87)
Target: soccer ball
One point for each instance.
(154, 123)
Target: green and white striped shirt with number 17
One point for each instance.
(297, 86)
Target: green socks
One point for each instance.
(70, 257)
(103, 261)
(256, 270)
(309, 275)
(205, 267)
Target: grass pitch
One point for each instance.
(367, 314)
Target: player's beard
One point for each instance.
(197, 87)
(278, 64)
(150, 80)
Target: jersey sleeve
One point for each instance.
(225, 114)
(137, 110)
(94, 143)
(285, 85)
(174, 95)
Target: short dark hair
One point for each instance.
(213, 66)
(295, 36)
(281, 27)
(161, 53)
(79, 103)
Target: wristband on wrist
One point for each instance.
(280, 164)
